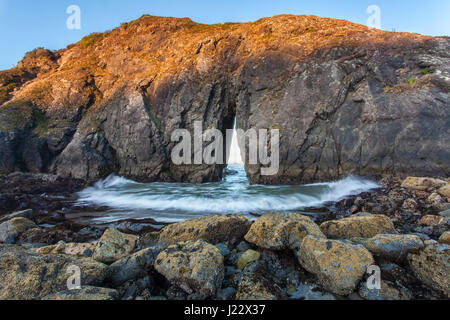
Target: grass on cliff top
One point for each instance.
(91, 39)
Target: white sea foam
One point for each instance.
(233, 195)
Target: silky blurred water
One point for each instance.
(171, 202)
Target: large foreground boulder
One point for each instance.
(358, 227)
(432, 267)
(213, 229)
(195, 266)
(26, 275)
(114, 245)
(338, 266)
(279, 231)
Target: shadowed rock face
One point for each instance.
(346, 99)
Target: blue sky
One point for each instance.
(27, 24)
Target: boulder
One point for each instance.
(416, 183)
(393, 247)
(388, 291)
(445, 191)
(27, 275)
(279, 231)
(445, 213)
(432, 266)
(114, 245)
(86, 293)
(434, 199)
(358, 227)
(247, 257)
(338, 266)
(445, 238)
(194, 266)
(19, 214)
(70, 249)
(133, 267)
(12, 229)
(213, 229)
(431, 221)
(256, 284)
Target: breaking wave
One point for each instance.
(171, 202)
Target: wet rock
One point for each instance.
(442, 207)
(149, 239)
(445, 191)
(85, 293)
(434, 199)
(71, 249)
(279, 231)
(308, 291)
(432, 267)
(26, 275)
(226, 293)
(19, 214)
(445, 213)
(445, 238)
(194, 266)
(133, 267)
(431, 221)
(12, 229)
(388, 291)
(358, 227)
(223, 248)
(417, 183)
(338, 266)
(256, 284)
(213, 229)
(243, 246)
(247, 257)
(392, 247)
(394, 273)
(410, 205)
(114, 245)
(54, 235)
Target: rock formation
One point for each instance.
(346, 99)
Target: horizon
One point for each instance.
(44, 24)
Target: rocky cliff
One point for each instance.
(346, 99)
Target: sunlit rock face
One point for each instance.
(346, 100)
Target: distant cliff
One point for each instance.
(346, 99)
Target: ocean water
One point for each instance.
(172, 202)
